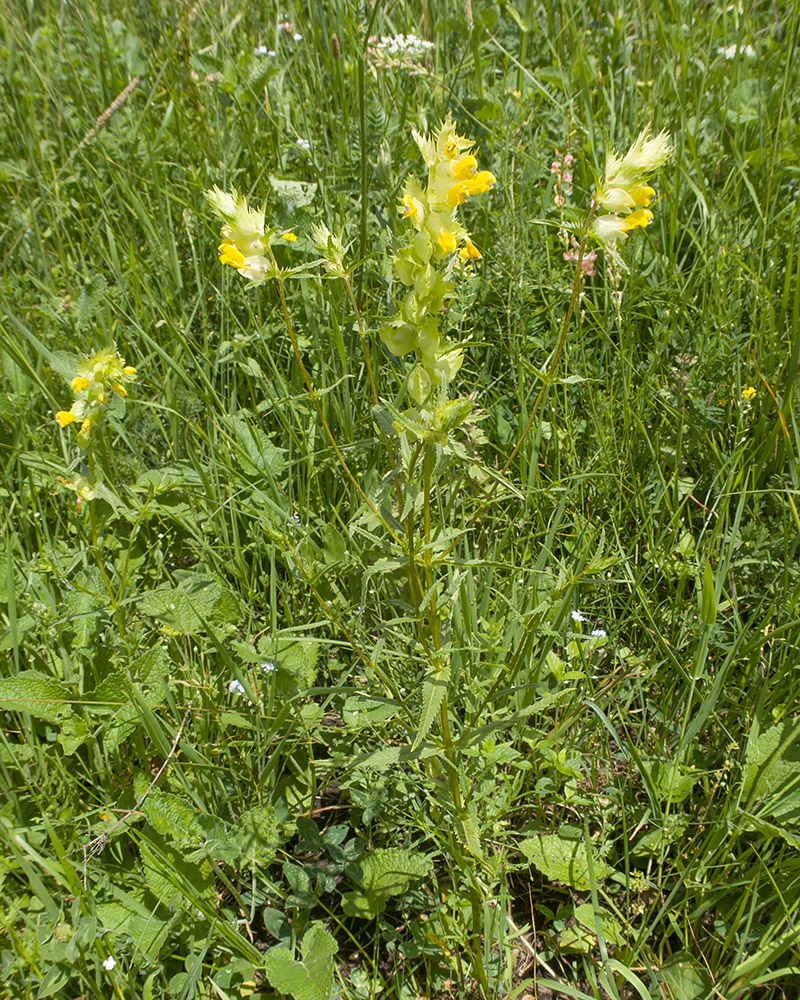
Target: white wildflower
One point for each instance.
(576, 616)
(109, 964)
(235, 687)
(598, 633)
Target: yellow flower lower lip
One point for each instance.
(79, 383)
(230, 254)
(469, 251)
(641, 217)
(447, 241)
(64, 417)
(458, 193)
(484, 181)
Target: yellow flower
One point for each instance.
(458, 193)
(289, 237)
(749, 392)
(482, 182)
(469, 251)
(466, 167)
(229, 253)
(79, 383)
(446, 241)
(641, 217)
(410, 207)
(129, 371)
(624, 189)
(64, 418)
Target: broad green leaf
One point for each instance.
(171, 816)
(191, 607)
(256, 454)
(583, 935)
(56, 978)
(294, 194)
(386, 872)
(682, 978)
(563, 859)
(295, 660)
(771, 784)
(258, 835)
(170, 877)
(311, 978)
(36, 693)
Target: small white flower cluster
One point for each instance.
(262, 50)
(731, 51)
(597, 633)
(404, 46)
(303, 143)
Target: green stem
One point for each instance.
(116, 606)
(464, 861)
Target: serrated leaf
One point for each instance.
(258, 835)
(434, 688)
(564, 859)
(466, 828)
(190, 608)
(312, 977)
(364, 710)
(38, 694)
(386, 872)
(174, 818)
(295, 660)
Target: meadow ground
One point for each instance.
(305, 689)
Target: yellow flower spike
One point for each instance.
(64, 418)
(446, 241)
(230, 254)
(458, 193)
(641, 217)
(482, 182)
(469, 251)
(79, 383)
(465, 167)
(289, 237)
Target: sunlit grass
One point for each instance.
(199, 749)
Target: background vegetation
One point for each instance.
(633, 794)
